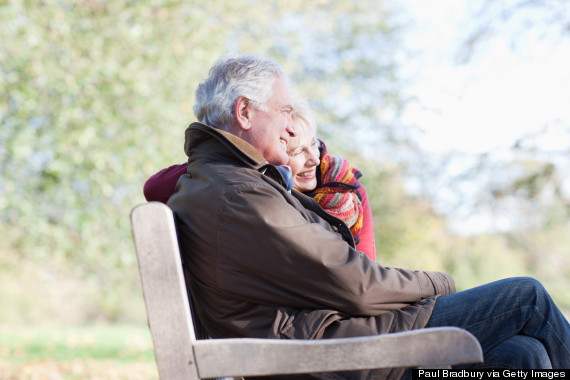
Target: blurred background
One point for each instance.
(456, 112)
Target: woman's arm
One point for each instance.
(367, 242)
(161, 185)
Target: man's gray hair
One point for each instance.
(230, 77)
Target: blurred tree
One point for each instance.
(91, 92)
(527, 183)
(410, 234)
(535, 173)
(95, 97)
(546, 20)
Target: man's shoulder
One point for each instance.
(208, 205)
(220, 183)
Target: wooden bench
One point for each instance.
(180, 355)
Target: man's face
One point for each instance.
(271, 130)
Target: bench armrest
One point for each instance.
(433, 347)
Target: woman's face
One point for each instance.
(304, 158)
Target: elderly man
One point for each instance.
(269, 263)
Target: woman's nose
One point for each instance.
(313, 158)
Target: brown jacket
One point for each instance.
(267, 263)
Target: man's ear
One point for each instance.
(242, 110)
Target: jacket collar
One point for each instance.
(197, 133)
(239, 148)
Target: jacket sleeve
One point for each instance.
(272, 251)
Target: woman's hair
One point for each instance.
(304, 120)
(230, 77)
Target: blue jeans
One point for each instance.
(515, 320)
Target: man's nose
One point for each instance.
(291, 127)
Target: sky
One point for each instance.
(517, 82)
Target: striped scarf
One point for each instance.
(337, 191)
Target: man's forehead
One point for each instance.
(282, 93)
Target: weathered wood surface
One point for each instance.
(179, 355)
(437, 347)
(164, 291)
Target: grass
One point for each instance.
(85, 352)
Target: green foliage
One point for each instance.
(409, 234)
(121, 343)
(95, 97)
(94, 94)
(87, 352)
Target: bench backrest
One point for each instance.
(166, 297)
